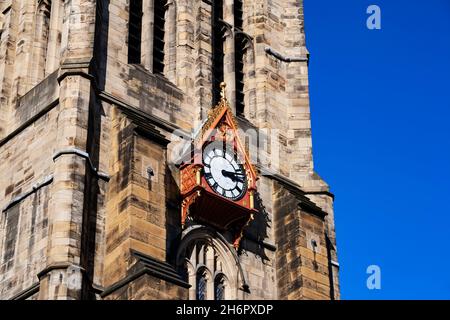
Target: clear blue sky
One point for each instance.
(380, 103)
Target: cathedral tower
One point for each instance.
(101, 101)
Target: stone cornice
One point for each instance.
(305, 203)
(58, 266)
(27, 123)
(28, 292)
(320, 193)
(85, 156)
(136, 113)
(47, 181)
(77, 68)
(287, 59)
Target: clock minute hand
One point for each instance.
(232, 175)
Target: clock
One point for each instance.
(217, 180)
(223, 173)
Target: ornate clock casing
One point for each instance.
(218, 184)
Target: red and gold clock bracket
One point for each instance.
(201, 201)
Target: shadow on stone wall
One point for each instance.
(93, 196)
(173, 217)
(257, 232)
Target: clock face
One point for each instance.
(224, 174)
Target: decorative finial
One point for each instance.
(223, 93)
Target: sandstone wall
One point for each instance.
(90, 196)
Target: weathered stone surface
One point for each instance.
(81, 130)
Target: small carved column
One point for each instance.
(229, 68)
(229, 53)
(148, 20)
(40, 42)
(210, 266)
(7, 48)
(192, 277)
(54, 38)
(170, 58)
(24, 12)
(250, 80)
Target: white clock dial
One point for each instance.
(224, 174)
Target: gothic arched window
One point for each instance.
(211, 266)
(219, 288)
(202, 283)
(147, 28)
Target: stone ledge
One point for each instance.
(305, 203)
(27, 124)
(85, 156)
(147, 265)
(47, 181)
(28, 292)
(130, 110)
(58, 266)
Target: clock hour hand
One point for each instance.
(233, 175)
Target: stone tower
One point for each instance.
(96, 97)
